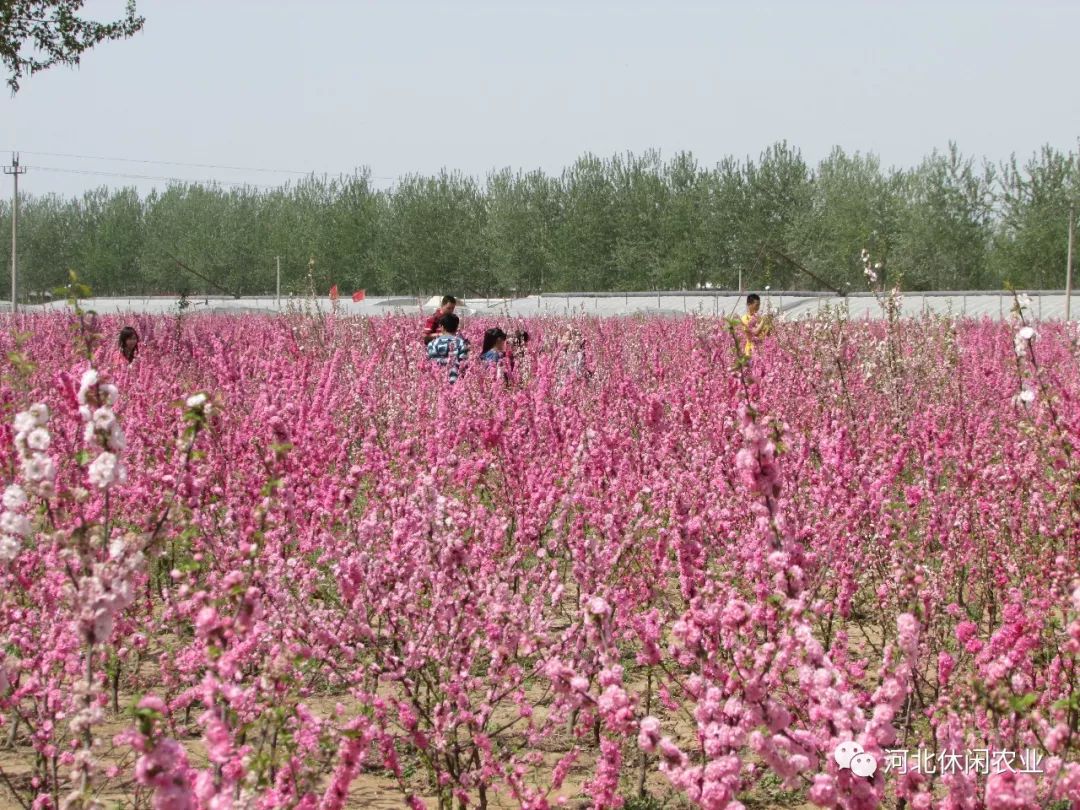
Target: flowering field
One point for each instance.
(280, 562)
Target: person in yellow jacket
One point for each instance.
(754, 325)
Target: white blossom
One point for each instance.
(38, 469)
(104, 419)
(11, 523)
(116, 440)
(14, 497)
(9, 548)
(1026, 333)
(105, 470)
(24, 422)
(196, 400)
(38, 440)
(1024, 398)
(40, 412)
(89, 380)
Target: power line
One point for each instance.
(192, 165)
(168, 163)
(186, 180)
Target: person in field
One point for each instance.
(129, 344)
(448, 348)
(493, 351)
(571, 354)
(433, 325)
(576, 347)
(516, 359)
(754, 325)
(494, 346)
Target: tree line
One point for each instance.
(629, 222)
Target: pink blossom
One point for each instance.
(1011, 791)
(823, 791)
(649, 735)
(598, 606)
(555, 562)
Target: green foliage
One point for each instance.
(770, 795)
(18, 369)
(643, 803)
(523, 213)
(84, 325)
(1029, 250)
(37, 34)
(947, 226)
(631, 222)
(854, 205)
(1021, 703)
(432, 237)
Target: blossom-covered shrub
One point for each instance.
(283, 558)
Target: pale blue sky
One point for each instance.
(415, 86)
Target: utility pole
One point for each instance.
(14, 170)
(1069, 262)
(277, 297)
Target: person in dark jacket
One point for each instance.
(448, 348)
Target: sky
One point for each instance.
(406, 87)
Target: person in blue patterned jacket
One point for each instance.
(449, 348)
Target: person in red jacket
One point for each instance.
(433, 325)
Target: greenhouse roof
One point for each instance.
(1045, 305)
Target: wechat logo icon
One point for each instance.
(850, 754)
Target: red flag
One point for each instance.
(358, 295)
(333, 293)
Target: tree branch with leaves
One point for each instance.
(37, 34)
